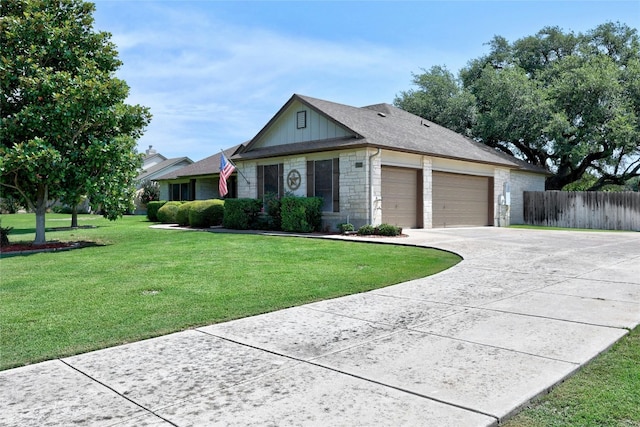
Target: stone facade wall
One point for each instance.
(354, 190)
(247, 190)
(299, 164)
(361, 204)
(520, 182)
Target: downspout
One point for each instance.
(377, 153)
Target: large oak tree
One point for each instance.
(65, 130)
(568, 102)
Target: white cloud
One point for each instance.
(201, 76)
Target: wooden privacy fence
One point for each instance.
(583, 209)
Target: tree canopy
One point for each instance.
(65, 130)
(567, 102)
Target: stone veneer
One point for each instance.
(355, 193)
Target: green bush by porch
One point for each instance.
(241, 214)
(205, 213)
(168, 213)
(301, 214)
(152, 210)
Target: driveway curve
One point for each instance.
(524, 310)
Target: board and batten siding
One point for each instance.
(285, 130)
(583, 209)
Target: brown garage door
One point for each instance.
(462, 200)
(402, 196)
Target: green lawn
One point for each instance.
(606, 393)
(144, 282)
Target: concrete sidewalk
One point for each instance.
(466, 347)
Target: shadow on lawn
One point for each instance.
(20, 231)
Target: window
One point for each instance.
(183, 191)
(323, 180)
(174, 192)
(323, 183)
(270, 180)
(301, 119)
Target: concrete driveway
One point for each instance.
(466, 347)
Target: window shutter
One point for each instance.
(336, 185)
(280, 179)
(260, 182)
(310, 180)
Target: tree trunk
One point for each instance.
(74, 216)
(41, 210)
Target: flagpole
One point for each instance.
(236, 167)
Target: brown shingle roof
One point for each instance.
(384, 126)
(207, 166)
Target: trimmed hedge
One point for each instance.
(301, 214)
(345, 228)
(182, 216)
(167, 214)
(152, 210)
(241, 214)
(366, 230)
(388, 230)
(205, 213)
(274, 213)
(381, 230)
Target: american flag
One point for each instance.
(226, 169)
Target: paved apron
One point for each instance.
(466, 347)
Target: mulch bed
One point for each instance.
(28, 247)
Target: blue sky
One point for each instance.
(214, 72)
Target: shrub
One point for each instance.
(205, 213)
(61, 209)
(9, 204)
(345, 228)
(388, 230)
(273, 220)
(381, 230)
(167, 214)
(241, 214)
(366, 230)
(182, 216)
(152, 210)
(301, 214)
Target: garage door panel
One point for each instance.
(399, 196)
(460, 200)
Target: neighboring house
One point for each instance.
(379, 164)
(197, 181)
(155, 165)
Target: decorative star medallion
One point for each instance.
(294, 179)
